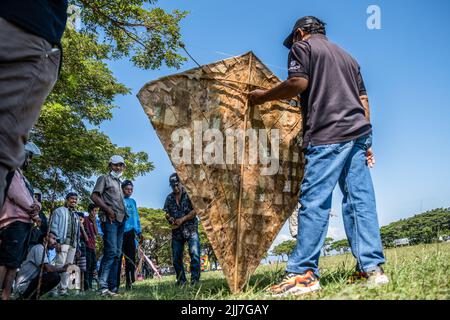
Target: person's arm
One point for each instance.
(191, 215)
(51, 268)
(138, 224)
(95, 197)
(55, 220)
(298, 76)
(20, 196)
(168, 217)
(95, 227)
(288, 89)
(365, 102)
(83, 230)
(99, 188)
(364, 98)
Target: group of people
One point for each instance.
(337, 139)
(28, 237)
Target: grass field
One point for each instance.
(418, 272)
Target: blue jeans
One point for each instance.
(194, 253)
(326, 166)
(112, 251)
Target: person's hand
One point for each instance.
(141, 238)
(58, 248)
(34, 209)
(78, 254)
(370, 157)
(179, 221)
(170, 219)
(110, 215)
(37, 220)
(256, 97)
(64, 267)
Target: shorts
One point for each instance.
(14, 244)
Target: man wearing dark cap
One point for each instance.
(65, 224)
(181, 215)
(337, 139)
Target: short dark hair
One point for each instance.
(71, 194)
(91, 207)
(42, 236)
(126, 183)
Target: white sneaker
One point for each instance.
(63, 293)
(377, 277)
(107, 293)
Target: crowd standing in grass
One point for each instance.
(337, 140)
(59, 253)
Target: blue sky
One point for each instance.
(405, 67)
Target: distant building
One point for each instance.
(401, 242)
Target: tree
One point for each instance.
(340, 245)
(326, 245)
(284, 248)
(421, 228)
(158, 234)
(67, 132)
(149, 36)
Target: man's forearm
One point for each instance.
(99, 202)
(191, 215)
(286, 90)
(365, 102)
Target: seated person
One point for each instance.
(28, 277)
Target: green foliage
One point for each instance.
(340, 245)
(137, 29)
(327, 245)
(74, 150)
(67, 132)
(158, 233)
(284, 248)
(422, 228)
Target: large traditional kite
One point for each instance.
(241, 165)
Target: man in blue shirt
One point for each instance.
(183, 218)
(132, 229)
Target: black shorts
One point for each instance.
(14, 244)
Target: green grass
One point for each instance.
(418, 272)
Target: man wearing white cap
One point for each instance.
(108, 196)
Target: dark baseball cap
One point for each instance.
(309, 23)
(174, 180)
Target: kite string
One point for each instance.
(241, 184)
(182, 45)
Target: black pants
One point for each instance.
(91, 265)
(49, 281)
(129, 250)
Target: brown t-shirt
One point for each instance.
(110, 190)
(331, 108)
